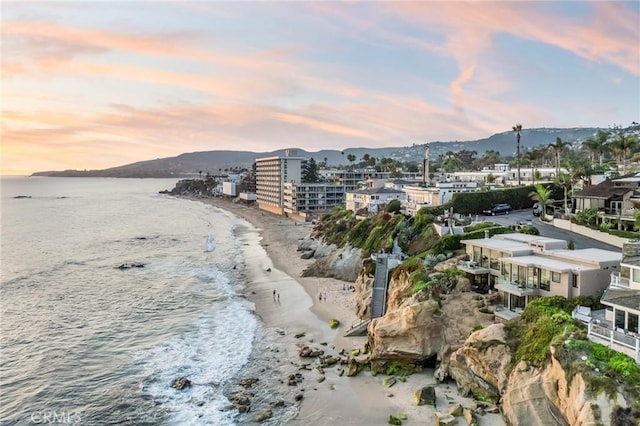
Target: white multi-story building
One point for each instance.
(503, 175)
(302, 199)
(271, 175)
(372, 199)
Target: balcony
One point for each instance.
(504, 314)
(516, 288)
(472, 268)
(617, 280)
(620, 340)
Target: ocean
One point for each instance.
(88, 337)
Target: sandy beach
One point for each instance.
(295, 308)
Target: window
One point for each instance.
(555, 277)
(620, 318)
(545, 279)
(632, 325)
(574, 281)
(636, 275)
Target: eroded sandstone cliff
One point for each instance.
(483, 367)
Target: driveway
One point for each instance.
(547, 230)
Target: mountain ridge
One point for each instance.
(215, 162)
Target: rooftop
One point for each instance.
(623, 297)
(381, 190)
(513, 247)
(589, 255)
(546, 262)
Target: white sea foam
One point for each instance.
(209, 354)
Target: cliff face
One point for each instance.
(481, 366)
(364, 290)
(529, 396)
(331, 261)
(414, 329)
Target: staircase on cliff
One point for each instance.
(384, 262)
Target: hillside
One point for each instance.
(216, 162)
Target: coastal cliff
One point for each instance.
(539, 369)
(540, 377)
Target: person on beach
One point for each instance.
(274, 294)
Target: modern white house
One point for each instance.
(618, 328)
(524, 267)
(503, 175)
(372, 199)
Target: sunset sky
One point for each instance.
(98, 84)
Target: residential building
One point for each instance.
(302, 199)
(524, 267)
(447, 189)
(372, 199)
(271, 175)
(618, 328)
(503, 175)
(615, 199)
(417, 197)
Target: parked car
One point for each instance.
(498, 209)
(537, 209)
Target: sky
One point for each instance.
(99, 84)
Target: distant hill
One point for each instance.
(215, 162)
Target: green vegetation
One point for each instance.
(587, 217)
(399, 368)
(546, 322)
(393, 420)
(334, 323)
(394, 206)
(519, 198)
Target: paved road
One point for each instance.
(547, 230)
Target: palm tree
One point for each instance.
(621, 147)
(597, 146)
(558, 148)
(541, 195)
(564, 180)
(578, 168)
(518, 128)
(532, 158)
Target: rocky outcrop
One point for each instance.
(343, 263)
(181, 383)
(549, 394)
(416, 330)
(410, 333)
(364, 290)
(481, 366)
(528, 396)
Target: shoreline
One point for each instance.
(358, 400)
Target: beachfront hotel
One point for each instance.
(271, 175)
